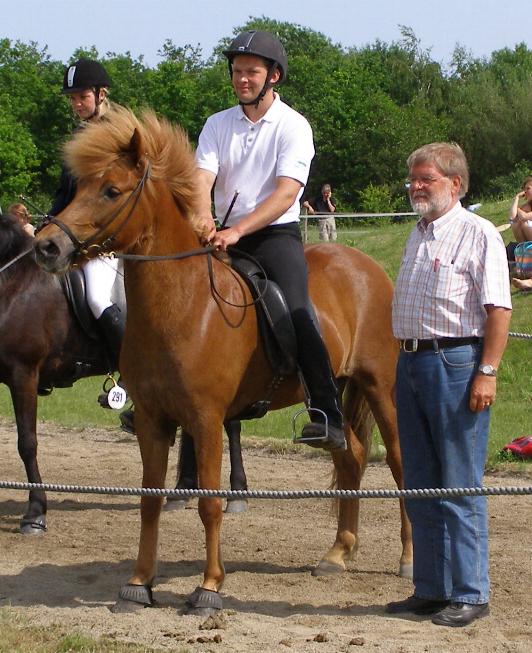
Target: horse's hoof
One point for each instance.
(326, 568)
(406, 571)
(175, 504)
(235, 506)
(33, 525)
(133, 598)
(204, 602)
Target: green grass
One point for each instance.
(17, 636)
(383, 241)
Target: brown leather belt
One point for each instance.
(413, 345)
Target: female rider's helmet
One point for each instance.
(260, 44)
(84, 74)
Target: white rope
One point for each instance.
(515, 334)
(173, 493)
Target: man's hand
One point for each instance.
(223, 239)
(483, 392)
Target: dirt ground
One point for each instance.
(71, 575)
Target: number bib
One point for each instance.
(117, 397)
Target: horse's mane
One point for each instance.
(13, 238)
(102, 143)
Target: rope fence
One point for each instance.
(516, 334)
(428, 493)
(276, 494)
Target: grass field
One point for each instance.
(383, 241)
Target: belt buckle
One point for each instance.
(414, 346)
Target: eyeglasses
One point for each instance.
(422, 181)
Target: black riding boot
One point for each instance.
(112, 323)
(316, 368)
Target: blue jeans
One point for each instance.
(444, 444)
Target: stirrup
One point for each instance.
(325, 436)
(318, 413)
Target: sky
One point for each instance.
(142, 26)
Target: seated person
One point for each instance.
(520, 217)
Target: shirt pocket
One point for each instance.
(445, 281)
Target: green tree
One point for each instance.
(18, 158)
(29, 92)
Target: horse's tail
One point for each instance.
(360, 420)
(358, 415)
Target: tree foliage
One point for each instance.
(369, 107)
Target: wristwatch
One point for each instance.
(487, 370)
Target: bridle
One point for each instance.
(89, 245)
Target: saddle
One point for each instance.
(275, 326)
(74, 286)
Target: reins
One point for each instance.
(14, 260)
(199, 251)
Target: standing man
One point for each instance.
(259, 152)
(451, 314)
(323, 205)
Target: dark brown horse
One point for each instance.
(42, 346)
(190, 358)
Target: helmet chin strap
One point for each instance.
(267, 85)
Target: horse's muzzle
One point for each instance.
(51, 256)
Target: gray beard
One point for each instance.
(433, 206)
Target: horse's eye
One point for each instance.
(112, 192)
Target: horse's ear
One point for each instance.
(135, 150)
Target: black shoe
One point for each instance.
(460, 614)
(330, 438)
(127, 421)
(102, 400)
(416, 606)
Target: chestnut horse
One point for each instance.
(191, 352)
(42, 346)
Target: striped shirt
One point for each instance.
(452, 268)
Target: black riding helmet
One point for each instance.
(259, 44)
(84, 74)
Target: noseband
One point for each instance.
(83, 248)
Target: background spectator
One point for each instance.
(521, 216)
(322, 205)
(23, 215)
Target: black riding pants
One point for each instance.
(279, 249)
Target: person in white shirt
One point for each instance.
(257, 157)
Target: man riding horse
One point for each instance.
(259, 152)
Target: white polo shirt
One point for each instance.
(248, 157)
